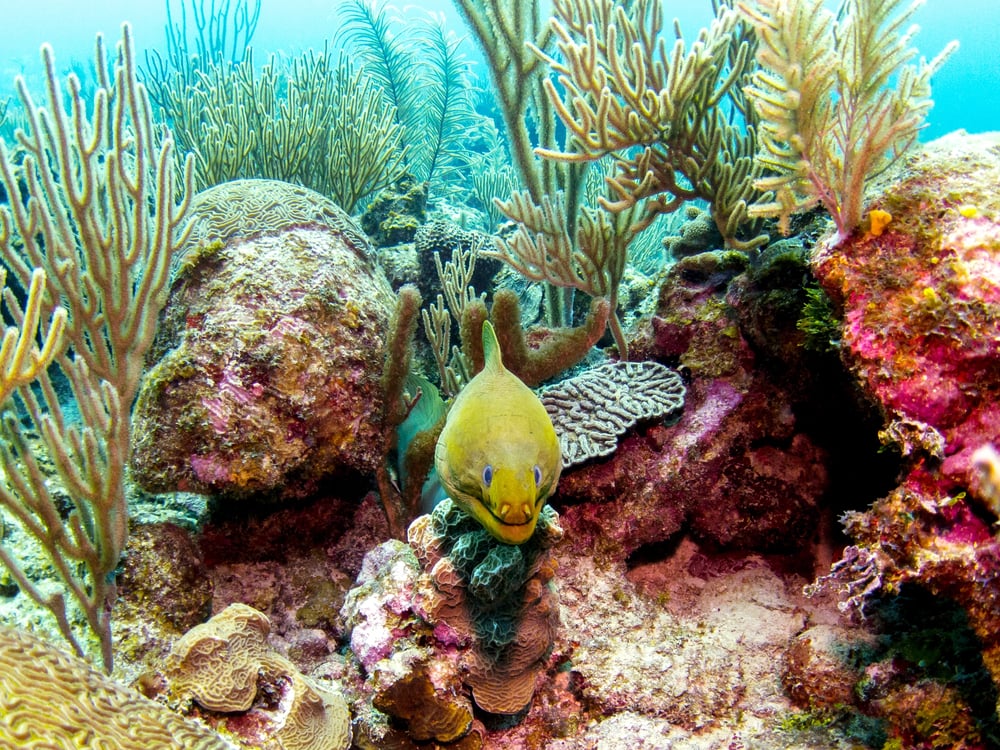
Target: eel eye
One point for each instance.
(488, 475)
(538, 476)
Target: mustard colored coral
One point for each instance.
(54, 700)
(226, 666)
(20, 359)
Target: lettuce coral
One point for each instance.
(496, 597)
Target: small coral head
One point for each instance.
(498, 456)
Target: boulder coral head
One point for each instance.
(265, 372)
(498, 455)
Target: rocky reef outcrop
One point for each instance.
(265, 372)
(920, 305)
(453, 619)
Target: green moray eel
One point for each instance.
(498, 455)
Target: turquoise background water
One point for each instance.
(966, 91)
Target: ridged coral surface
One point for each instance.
(592, 410)
(49, 699)
(496, 597)
(226, 666)
(216, 663)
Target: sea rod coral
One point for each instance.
(829, 121)
(97, 204)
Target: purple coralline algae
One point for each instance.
(455, 614)
(735, 470)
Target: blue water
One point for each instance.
(966, 91)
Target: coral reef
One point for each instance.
(95, 202)
(244, 209)
(164, 589)
(53, 699)
(268, 352)
(226, 668)
(395, 214)
(801, 101)
(921, 333)
(491, 595)
(445, 238)
(762, 389)
(454, 608)
(736, 470)
(410, 675)
(422, 71)
(346, 144)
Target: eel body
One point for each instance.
(498, 456)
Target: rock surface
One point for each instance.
(267, 363)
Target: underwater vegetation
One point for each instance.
(574, 497)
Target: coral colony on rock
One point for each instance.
(629, 389)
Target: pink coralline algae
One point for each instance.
(453, 619)
(266, 377)
(921, 310)
(922, 301)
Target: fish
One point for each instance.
(498, 455)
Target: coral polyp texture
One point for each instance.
(51, 699)
(226, 667)
(266, 363)
(921, 333)
(413, 682)
(454, 608)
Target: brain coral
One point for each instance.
(266, 365)
(53, 700)
(246, 208)
(226, 666)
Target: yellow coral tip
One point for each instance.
(969, 212)
(878, 220)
